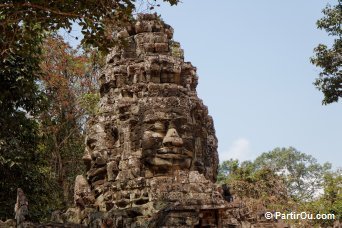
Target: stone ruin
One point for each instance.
(151, 152)
(21, 208)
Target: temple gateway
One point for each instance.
(151, 152)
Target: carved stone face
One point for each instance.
(168, 129)
(101, 152)
(96, 145)
(175, 134)
(167, 141)
(152, 139)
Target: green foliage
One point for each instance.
(32, 127)
(330, 202)
(19, 69)
(303, 174)
(21, 163)
(98, 19)
(285, 179)
(226, 168)
(43, 164)
(256, 186)
(69, 82)
(330, 59)
(332, 197)
(89, 102)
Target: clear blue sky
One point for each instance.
(255, 75)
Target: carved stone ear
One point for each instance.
(112, 132)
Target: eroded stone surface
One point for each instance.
(151, 153)
(21, 207)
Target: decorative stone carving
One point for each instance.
(82, 193)
(151, 153)
(21, 207)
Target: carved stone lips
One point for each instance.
(169, 160)
(170, 152)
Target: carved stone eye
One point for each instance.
(159, 127)
(91, 143)
(114, 133)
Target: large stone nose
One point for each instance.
(172, 138)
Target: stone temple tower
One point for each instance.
(151, 153)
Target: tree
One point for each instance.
(259, 189)
(69, 79)
(303, 174)
(23, 25)
(97, 18)
(330, 202)
(226, 168)
(332, 196)
(330, 59)
(21, 162)
(285, 179)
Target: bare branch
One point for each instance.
(46, 9)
